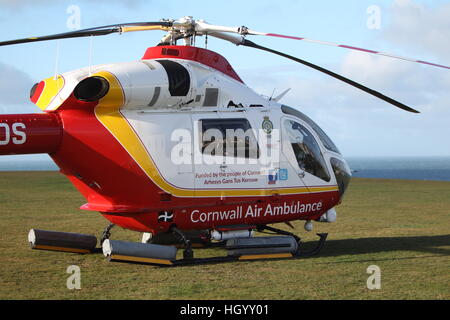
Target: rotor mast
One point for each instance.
(187, 28)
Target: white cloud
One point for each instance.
(14, 4)
(415, 83)
(426, 30)
(15, 88)
(14, 85)
(364, 125)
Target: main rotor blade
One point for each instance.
(204, 27)
(96, 31)
(381, 53)
(377, 94)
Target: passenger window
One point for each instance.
(306, 150)
(228, 137)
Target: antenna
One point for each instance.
(278, 98)
(90, 54)
(271, 96)
(55, 77)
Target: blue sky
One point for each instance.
(359, 124)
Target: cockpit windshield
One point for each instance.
(327, 142)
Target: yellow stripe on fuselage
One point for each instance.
(108, 113)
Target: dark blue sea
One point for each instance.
(411, 168)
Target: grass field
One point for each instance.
(401, 226)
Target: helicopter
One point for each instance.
(177, 147)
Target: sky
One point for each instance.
(359, 124)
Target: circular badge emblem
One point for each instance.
(267, 125)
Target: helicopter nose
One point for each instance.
(342, 173)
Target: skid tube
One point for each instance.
(285, 245)
(258, 256)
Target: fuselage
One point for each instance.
(177, 138)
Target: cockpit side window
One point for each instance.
(306, 150)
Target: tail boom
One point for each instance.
(30, 133)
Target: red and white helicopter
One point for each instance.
(176, 146)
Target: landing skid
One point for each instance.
(283, 246)
(258, 257)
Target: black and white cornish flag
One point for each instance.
(165, 216)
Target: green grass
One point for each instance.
(401, 226)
